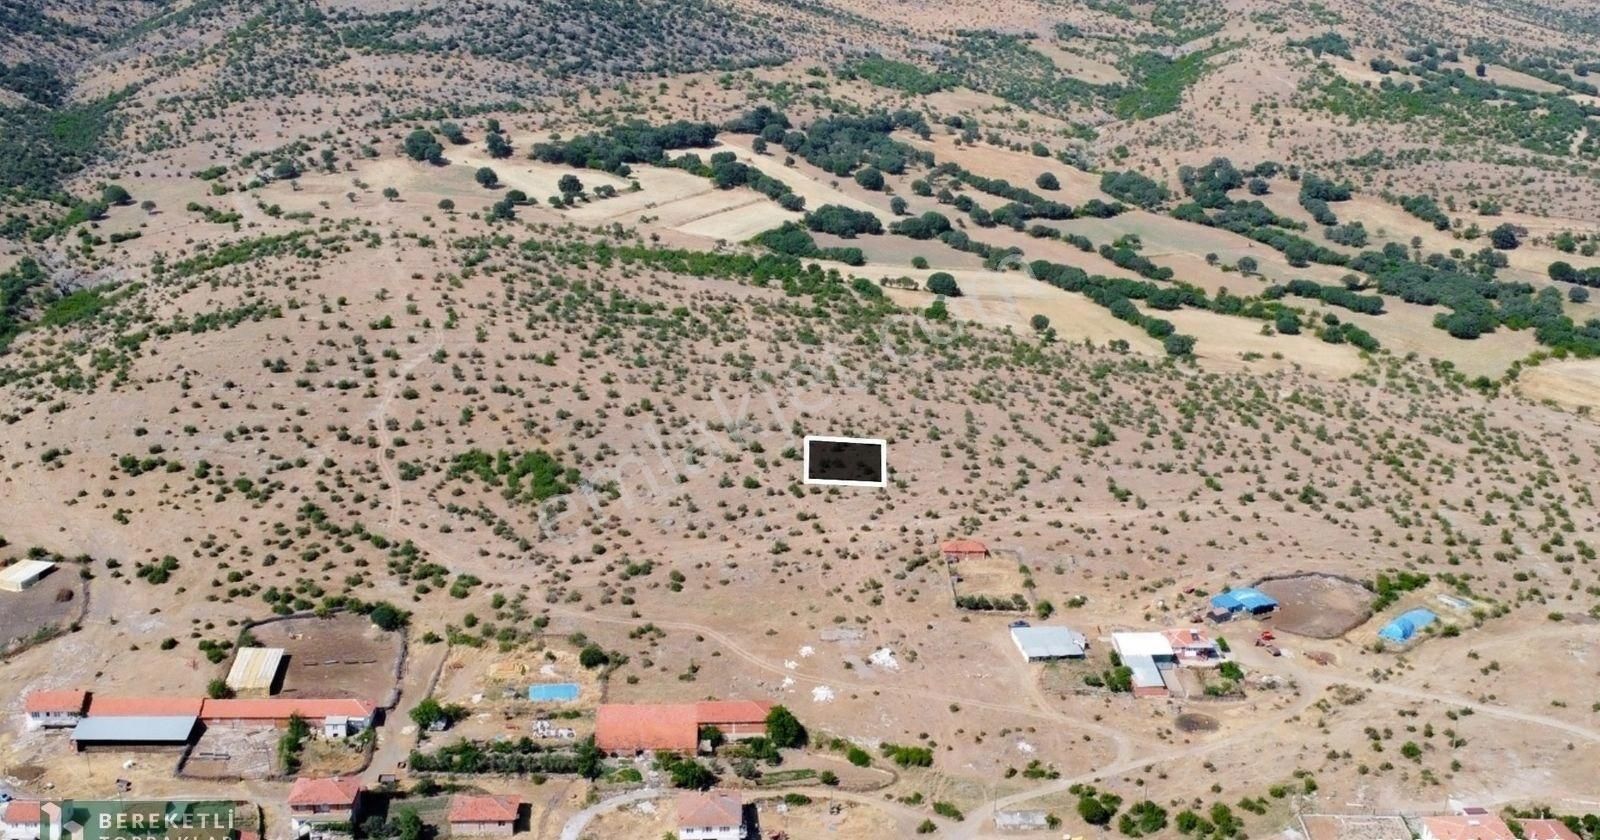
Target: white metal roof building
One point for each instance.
(1045, 643)
(1153, 645)
(23, 574)
(255, 669)
(1144, 654)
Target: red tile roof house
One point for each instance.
(55, 708)
(627, 729)
(710, 816)
(314, 803)
(1193, 646)
(1467, 827)
(1546, 830)
(19, 820)
(736, 719)
(963, 548)
(484, 815)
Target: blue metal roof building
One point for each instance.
(1244, 600)
(1406, 625)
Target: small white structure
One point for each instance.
(336, 726)
(1042, 644)
(22, 575)
(710, 816)
(1021, 820)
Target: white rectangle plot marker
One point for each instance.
(845, 461)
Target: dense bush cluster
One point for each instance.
(621, 145)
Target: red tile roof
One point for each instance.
(620, 727)
(71, 700)
(710, 810)
(484, 809)
(964, 546)
(282, 709)
(1547, 830)
(336, 792)
(144, 706)
(714, 712)
(22, 812)
(1468, 828)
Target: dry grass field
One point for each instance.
(267, 345)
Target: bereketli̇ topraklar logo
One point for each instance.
(114, 820)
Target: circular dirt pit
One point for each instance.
(1318, 606)
(1196, 722)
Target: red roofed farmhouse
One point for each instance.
(484, 815)
(710, 816)
(56, 708)
(313, 802)
(646, 727)
(735, 718)
(962, 549)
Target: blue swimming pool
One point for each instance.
(553, 691)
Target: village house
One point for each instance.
(1193, 646)
(484, 815)
(1466, 827)
(315, 805)
(19, 820)
(1547, 830)
(628, 729)
(710, 816)
(55, 708)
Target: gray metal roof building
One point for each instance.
(1042, 643)
(134, 732)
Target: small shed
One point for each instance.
(1043, 644)
(962, 549)
(22, 575)
(255, 670)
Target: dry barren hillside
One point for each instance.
(473, 346)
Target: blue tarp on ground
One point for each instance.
(1246, 600)
(1406, 625)
(553, 691)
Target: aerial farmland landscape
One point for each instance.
(789, 419)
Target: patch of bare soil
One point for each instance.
(1318, 606)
